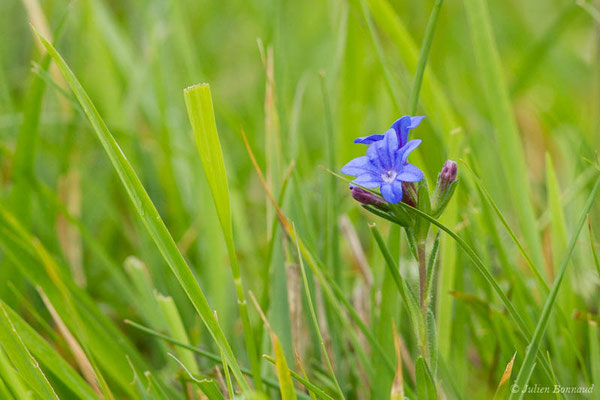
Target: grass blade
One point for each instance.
(593, 248)
(10, 375)
(203, 353)
(529, 361)
(199, 105)
(413, 99)
(508, 139)
(308, 384)
(148, 213)
(389, 83)
(315, 321)
(425, 386)
(46, 354)
(408, 297)
(286, 386)
(177, 330)
(26, 364)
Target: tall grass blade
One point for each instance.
(389, 82)
(202, 118)
(315, 321)
(507, 133)
(532, 350)
(413, 98)
(148, 213)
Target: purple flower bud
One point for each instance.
(447, 176)
(365, 197)
(446, 184)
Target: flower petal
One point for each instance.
(374, 156)
(392, 145)
(409, 173)
(368, 180)
(358, 166)
(386, 149)
(406, 149)
(368, 139)
(415, 121)
(401, 127)
(392, 192)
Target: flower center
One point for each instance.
(389, 176)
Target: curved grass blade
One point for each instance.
(148, 213)
(532, 350)
(206, 385)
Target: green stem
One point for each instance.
(422, 277)
(422, 294)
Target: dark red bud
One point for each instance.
(365, 197)
(409, 194)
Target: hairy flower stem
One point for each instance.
(422, 291)
(422, 276)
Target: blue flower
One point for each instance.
(386, 165)
(401, 127)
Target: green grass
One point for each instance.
(136, 222)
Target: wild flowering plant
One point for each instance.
(401, 186)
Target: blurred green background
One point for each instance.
(303, 79)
